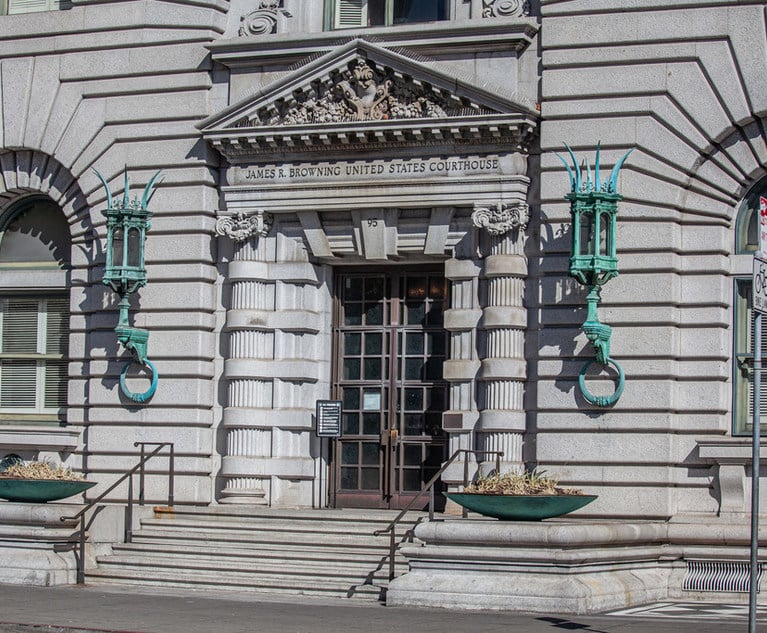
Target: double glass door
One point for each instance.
(390, 346)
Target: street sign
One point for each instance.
(759, 283)
(328, 418)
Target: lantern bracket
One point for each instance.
(128, 220)
(593, 260)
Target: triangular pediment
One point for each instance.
(359, 94)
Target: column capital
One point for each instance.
(243, 226)
(500, 218)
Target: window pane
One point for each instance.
(374, 313)
(370, 479)
(352, 344)
(370, 452)
(348, 478)
(351, 424)
(373, 368)
(414, 343)
(57, 326)
(371, 423)
(55, 384)
(413, 368)
(350, 452)
(373, 343)
(353, 314)
(418, 11)
(20, 326)
(351, 398)
(18, 383)
(351, 369)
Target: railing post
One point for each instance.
(392, 551)
(431, 503)
(81, 559)
(464, 511)
(129, 512)
(141, 477)
(171, 474)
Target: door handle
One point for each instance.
(393, 437)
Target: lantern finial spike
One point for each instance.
(106, 187)
(589, 181)
(612, 187)
(149, 189)
(569, 171)
(126, 189)
(578, 181)
(597, 183)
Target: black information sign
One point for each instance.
(329, 418)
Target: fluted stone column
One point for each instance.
(502, 419)
(461, 320)
(249, 340)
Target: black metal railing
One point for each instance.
(429, 487)
(90, 504)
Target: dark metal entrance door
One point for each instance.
(390, 346)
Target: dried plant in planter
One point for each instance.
(529, 483)
(39, 470)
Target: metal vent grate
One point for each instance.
(709, 575)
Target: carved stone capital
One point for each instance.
(243, 226)
(501, 218)
(505, 8)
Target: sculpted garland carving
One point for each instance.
(362, 92)
(502, 218)
(242, 226)
(263, 20)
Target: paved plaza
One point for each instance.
(146, 610)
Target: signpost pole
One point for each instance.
(756, 441)
(759, 305)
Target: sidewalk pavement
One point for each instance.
(101, 609)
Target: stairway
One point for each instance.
(329, 553)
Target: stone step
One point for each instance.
(316, 555)
(222, 582)
(312, 552)
(346, 571)
(239, 537)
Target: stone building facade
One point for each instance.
(362, 202)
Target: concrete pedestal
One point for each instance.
(36, 547)
(571, 567)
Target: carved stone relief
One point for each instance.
(362, 92)
(505, 8)
(243, 226)
(263, 20)
(501, 218)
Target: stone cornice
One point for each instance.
(500, 34)
(512, 131)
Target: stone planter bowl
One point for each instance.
(41, 490)
(520, 507)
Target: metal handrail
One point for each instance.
(91, 503)
(429, 486)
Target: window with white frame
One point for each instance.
(347, 14)
(746, 243)
(11, 7)
(34, 335)
(34, 311)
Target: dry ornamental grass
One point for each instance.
(527, 483)
(39, 470)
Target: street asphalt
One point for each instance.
(94, 609)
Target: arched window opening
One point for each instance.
(34, 312)
(746, 242)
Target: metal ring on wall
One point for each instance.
(139, 397)
(602, 401)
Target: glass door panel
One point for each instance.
(390, 349)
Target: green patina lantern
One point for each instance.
(593, 259)
(128, 220)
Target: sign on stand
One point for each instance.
(328, 418)
(760, 283)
